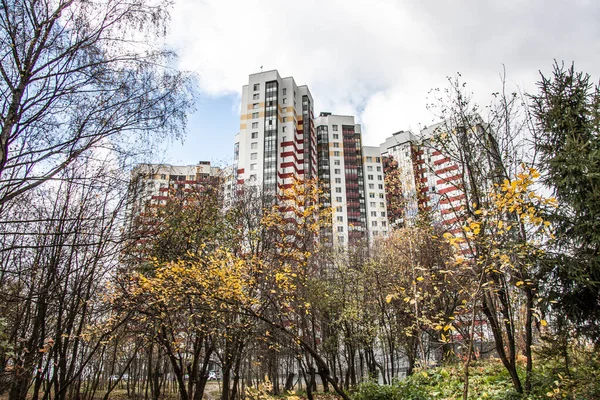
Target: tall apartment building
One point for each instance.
(398, 153)
(428, 179)
(441, 180)
(375, 194)
(277, 140)
(280, 139)
(341, 172)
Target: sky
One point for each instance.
(377, 59)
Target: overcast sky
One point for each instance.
(376, 59)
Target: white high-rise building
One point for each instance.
(428, 180)
(341, 173)
(375, 195)
(399, 159)
(277, 140)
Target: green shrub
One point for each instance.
(489, 380)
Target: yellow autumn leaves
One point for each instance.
(234, 277)
(512, 204)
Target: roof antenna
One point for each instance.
(261, 68)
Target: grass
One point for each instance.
(489, 380)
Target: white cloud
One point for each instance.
(378, 59)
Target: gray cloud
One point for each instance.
(378, 59)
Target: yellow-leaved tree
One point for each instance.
(501, 246)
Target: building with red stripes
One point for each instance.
(277, 140)
(342, 176)
(429, 180)
(152, 184)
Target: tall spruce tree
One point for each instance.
(567, 110)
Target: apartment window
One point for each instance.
(371, 186)
(338, 208)
(370, 177)
(336, 171)
(383, 223)
(284, 119)
(381, 195)
(383, 213)
(373, 223)
(381, 204)
(283, 129)
(254, 145)
(340, 229)
(256, 86)
(340, 219)
(338, 190)
(253, 156)
(338, 180)
(255, 106)
(255, 134)
(254, 125)
(377, 159)
(334, 128)
(336, 145)
(284, 91)
(253, 167)
(372, 204)
(163, 176)
(369, 159)
(336, 162)
(253, 177)
(378, 168)
(336, 153)
(338, 199)
(373, 213)
(372, 195)
(336, 136)
(284, 100)
(370, 168)
(380, 186)
(255, 96)
(254, 115)
(379, 177)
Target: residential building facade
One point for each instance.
(341, 174)
(375, 193)
(427, 180)
(152, 184)
(277, 139)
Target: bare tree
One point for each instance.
(58, 252)
(74, 77)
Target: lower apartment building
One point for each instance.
(152, 184)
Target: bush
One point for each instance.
(489, 380)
